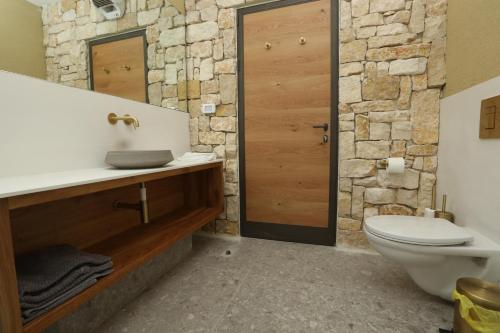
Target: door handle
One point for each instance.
(324, 126)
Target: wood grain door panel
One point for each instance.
(287, 91)
(118, 68)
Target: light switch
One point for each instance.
(208, 108)
(489, 124)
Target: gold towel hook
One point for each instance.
(302, 40)
(268, 45)
(107, 71)
(128, 68)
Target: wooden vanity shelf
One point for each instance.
(180, 201)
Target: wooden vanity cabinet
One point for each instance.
(180, 202)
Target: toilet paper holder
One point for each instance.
(385, 163)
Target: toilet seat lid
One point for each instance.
(417, 230)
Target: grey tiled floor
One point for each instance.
(268, 286)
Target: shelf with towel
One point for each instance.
(48, 277)
(180, 204)
(128, 251)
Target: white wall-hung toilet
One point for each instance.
(435, 252)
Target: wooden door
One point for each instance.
(118, 66)
(285, 112)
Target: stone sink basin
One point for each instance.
(138, 159)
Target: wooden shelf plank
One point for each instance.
(36, 198)
(9, 298)
(129, 250)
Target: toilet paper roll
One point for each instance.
(395, 165)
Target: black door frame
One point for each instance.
(283, 232)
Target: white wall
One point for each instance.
(469, 167)
(47, 127)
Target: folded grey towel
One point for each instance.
(40, 270)
(67, 282)
(52, 296)
(29, 315)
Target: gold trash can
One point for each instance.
(477, 306)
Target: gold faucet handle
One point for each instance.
(127, 119)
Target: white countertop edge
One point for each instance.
(19, 185)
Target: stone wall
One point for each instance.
(211, 66)
(69, 24)
(391, 73)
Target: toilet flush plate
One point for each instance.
(489, 121)
(417, 230)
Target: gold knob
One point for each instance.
(268, 45)
(302, 40)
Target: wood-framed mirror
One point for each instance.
(118, 66)
(56, 35)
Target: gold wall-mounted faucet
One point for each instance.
(113, 118)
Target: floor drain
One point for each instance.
(228, 252)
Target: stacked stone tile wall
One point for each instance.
(392, 69)
(391, 73)
(68, 24)
(211, 66)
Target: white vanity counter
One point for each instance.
(78, 207)
(19, 185)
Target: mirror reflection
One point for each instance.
(135, 49)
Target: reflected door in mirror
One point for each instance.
(118, 66)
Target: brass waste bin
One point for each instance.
(484, 296)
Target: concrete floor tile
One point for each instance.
(267, 304)
(268, 286)
(341, 268)
(186, 300)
